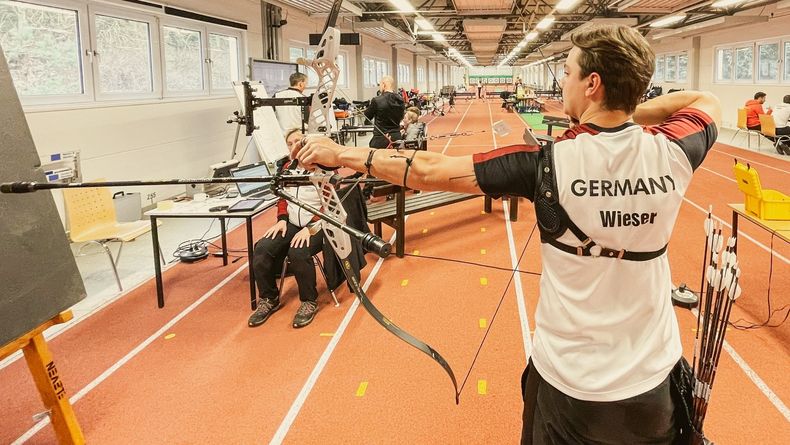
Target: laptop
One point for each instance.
(256, 193)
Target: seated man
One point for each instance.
(782, 118)
(289, 237)
(754, 108)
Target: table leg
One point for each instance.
(548, 131)
(253, 300)
(160, 292)
(735, 231)
(224, 242)
(400, 222)
(487, 204)
(513, 208)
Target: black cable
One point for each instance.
(771, 313)
(493, 318)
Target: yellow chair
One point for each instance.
(742, 127)
(91, 217)
(768, 128)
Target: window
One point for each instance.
(768, 62)
(368, 72)
(670, 74)
(223, 54)
(786, 60)
(124, 63)
(744, 66)
(381, 70)
(724, 64)
(659, 77)
(295, 54)
(39, 41)
(404, 75)
(683, 67)
(62, 51)
(183, 60)
(341, 66)
(312, 76)
(420, 75)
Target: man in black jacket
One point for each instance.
(385, 111)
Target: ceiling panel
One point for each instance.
(383, 31)
(484, 46)
(484, 25)
(490, 6)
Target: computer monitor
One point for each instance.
(256, 170)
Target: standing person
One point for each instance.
(291, 117)
(782, 119)
(289, 237)
(385, 111)
(754, 108)
(606, 336)
(479, 89)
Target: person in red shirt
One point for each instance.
(754, 108)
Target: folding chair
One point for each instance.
(742, 127)
(768, 128)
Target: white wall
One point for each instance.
(734, 95)
(150, 139)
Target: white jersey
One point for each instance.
(289, 116)
(605, 329)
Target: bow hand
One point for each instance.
(318, 152)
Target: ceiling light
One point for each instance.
(726, 3)
(403, 5)
(521, 44)
(545, 23)
(566, 5)
(531, 36)
(668, 20)
(423, 24)
(438, 37)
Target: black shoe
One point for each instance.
(306, 313)
(786, 149)
(780, 149)
(266, 307)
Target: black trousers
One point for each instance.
(268, 257)
(551, 417)
(380, 141)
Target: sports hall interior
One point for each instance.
(143, 90)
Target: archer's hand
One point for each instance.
(317, 150)
(301, 239)
(280, 227)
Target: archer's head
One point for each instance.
(608, 69)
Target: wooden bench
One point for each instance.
(393, 212)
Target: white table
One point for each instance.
(200, 209)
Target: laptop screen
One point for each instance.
(249, 171)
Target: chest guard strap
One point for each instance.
(553, 221)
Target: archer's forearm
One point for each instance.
(657, 110)
(428, 171)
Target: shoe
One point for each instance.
(780, 149)
(786, 149)
(266, 307)
(306, 313)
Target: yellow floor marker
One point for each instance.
(326, 334)
(362, 388)
(404, 283)
(169, 336)
(483, 281)
(433, 213)
(482, 212)
(482, 323)
(482, 387)
(424, 230)
(416, 252)
(482, 229)
(482, 251)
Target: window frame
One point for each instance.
(756, 61)
(91, 96)
(84, 54)
(190, 26)
(154, 53)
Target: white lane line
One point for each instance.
(717, 174)
(759, 382)
(751, 161)
(297, 404)
(522, 307)
(131, 354)
(740, 232)
(447, 145)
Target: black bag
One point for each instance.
(682, 388)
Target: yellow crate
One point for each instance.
(759, 202)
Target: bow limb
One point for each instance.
(341, 244)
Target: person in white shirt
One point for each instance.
(781, 116)
(607, 195)
(290, 117)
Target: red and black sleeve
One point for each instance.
(692, 130)
(510, 170)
